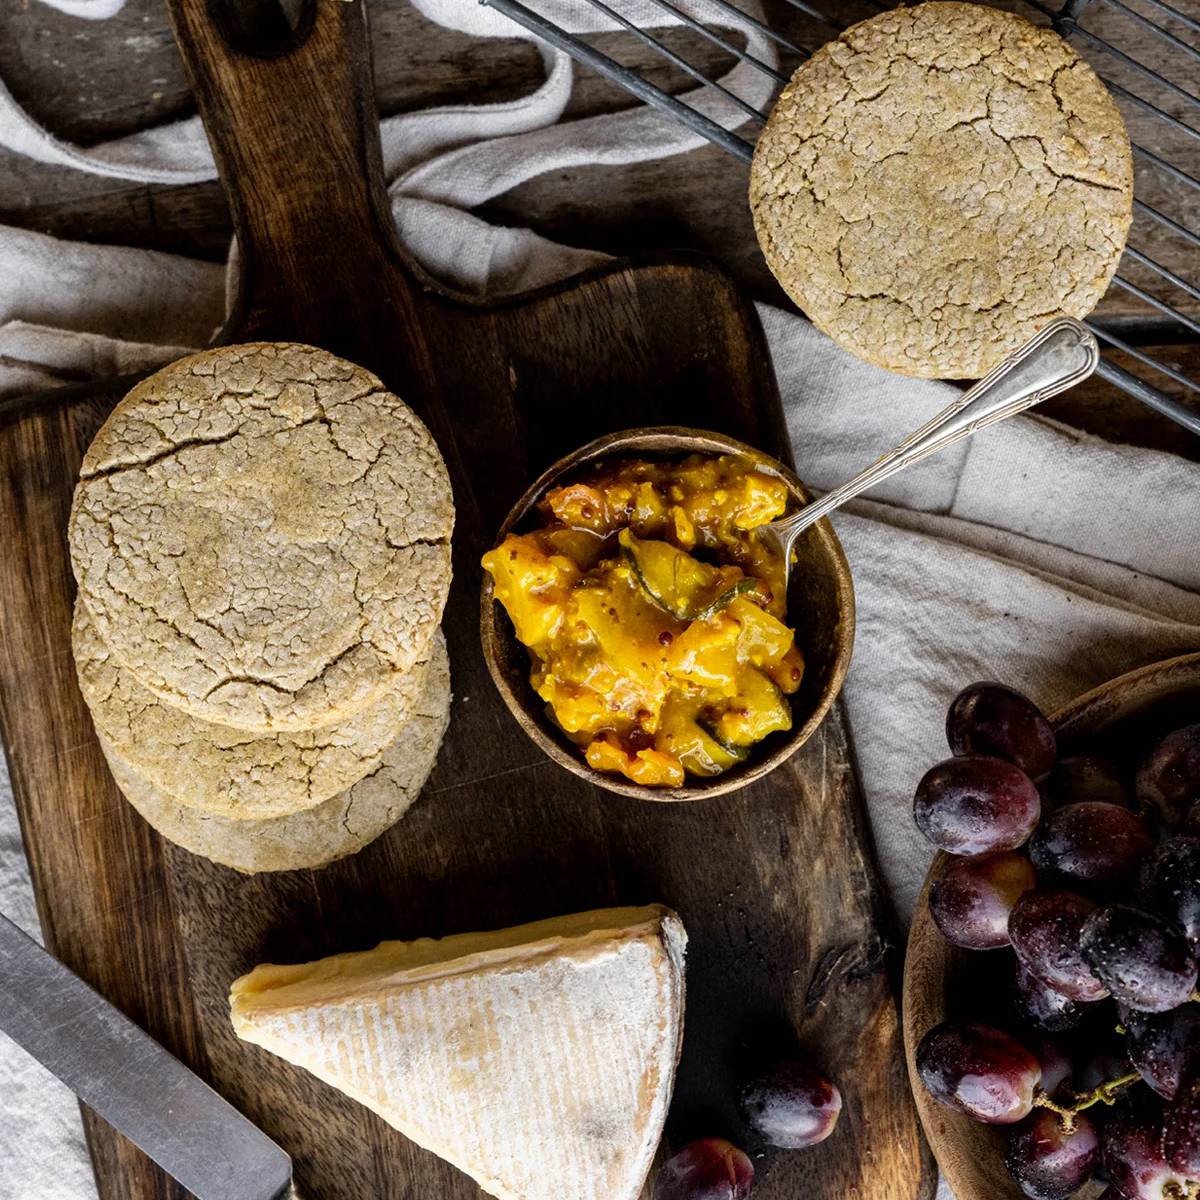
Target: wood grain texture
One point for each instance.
(942, 982)
(776, 883)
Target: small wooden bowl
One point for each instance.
(820, 604)
(1130, 712)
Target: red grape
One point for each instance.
(1171, 884)
(1169, 778)
(1041, 1006)
(792, 1106)
(1054, 1062)
(1133, 1157)
(1090, 844)
(1181, 1129)
(1142, 959)
(980, 1071)
(1082, 777)
(1105, 1062)
(989, 718)
(976, 805)
(1163, 1046)
(1191, 826)
(1045, 927)
(972, 898)
(711, 1169)
(1049, 1163)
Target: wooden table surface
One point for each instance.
(89, 81)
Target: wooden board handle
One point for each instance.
(290, 113)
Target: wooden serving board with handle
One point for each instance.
(776, 884)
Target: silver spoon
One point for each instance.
(1059, 356)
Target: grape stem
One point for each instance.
(1106, 1093)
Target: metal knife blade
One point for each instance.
(131, 1081)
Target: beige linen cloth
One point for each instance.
(1031, 553)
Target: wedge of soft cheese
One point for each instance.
(539, 1060)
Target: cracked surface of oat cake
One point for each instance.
(938, 182)
(340, 826)
(261, 534)
(222, 770)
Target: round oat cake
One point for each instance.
(340, 826)
(222, 770)
(938, 182)
(262, 536)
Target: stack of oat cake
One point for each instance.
(261, 539)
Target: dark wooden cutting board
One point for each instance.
(776, 884)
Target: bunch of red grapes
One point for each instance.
(1090, 874)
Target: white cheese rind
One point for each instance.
(541, 1065)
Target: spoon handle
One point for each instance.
(1059, 356)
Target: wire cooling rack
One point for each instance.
(1116, 37)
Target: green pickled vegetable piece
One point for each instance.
(684, 587)
(736, 752)
(741, 587)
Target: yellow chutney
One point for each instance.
(654, 616)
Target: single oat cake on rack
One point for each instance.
(261, 534)
(938, 182)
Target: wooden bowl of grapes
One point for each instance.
(1051, 1011)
